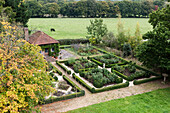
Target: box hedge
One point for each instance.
(83, 83)
(57, 71)
(144, 69)
(136, 82)
(64, 68)
(117, 86)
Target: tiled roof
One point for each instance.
(40, 38)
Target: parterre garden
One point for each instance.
(98, 70)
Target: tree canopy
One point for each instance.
(155, 53)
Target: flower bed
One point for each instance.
(82, 63)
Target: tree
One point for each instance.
(52, 9)
(155, 52)
(97, 30)
(121, 36)
(22, 13)
(24, 81)
(36, 9)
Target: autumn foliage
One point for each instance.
(23, 78)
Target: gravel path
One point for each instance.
(89, 98)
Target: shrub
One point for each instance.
(51, 74)
(98, 83)
(56, 78)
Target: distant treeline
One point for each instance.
(91, 8)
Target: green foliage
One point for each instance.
(97, 30)
(155, 53)
(121, 36)
(55, 78)
(52, 9)
(100, 77)
(136, 82)
(56, 48)
(22, 14)
(127, 50)
(93, 90)
(110, 40)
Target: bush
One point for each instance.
(119, 80)
(56, 78)
(69, 72)
(51, 74)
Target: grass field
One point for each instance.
(76, 27)
(157, 101)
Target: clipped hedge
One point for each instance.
(144, 69)
(96, 61)
(70, 96)
(71, 82)
(64, 68)
(65, 46)
(100, 50)
(57, 71)
(73, 41)
(136, 82)
(93, 90)
(122, 75)
(117, 86)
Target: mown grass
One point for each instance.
(71, 28)
(157, 101)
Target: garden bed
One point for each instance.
(79, 64)
(65, 89)
(108, 59)
(130, 72)
(84, 50)
(100, 77)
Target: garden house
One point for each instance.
(48, 44)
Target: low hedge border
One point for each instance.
(117, 86)
(110, 65)
(96, 61)
(100, 50)
(73, 41)
(107, 66)
(122, 75)
(136, 82)
(70, 96)
(65, 46)
(144, 69)
(93, 90)
(64, 68)
(71, 83)
(56, 70)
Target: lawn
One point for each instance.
(70, 28)
(157, 101)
